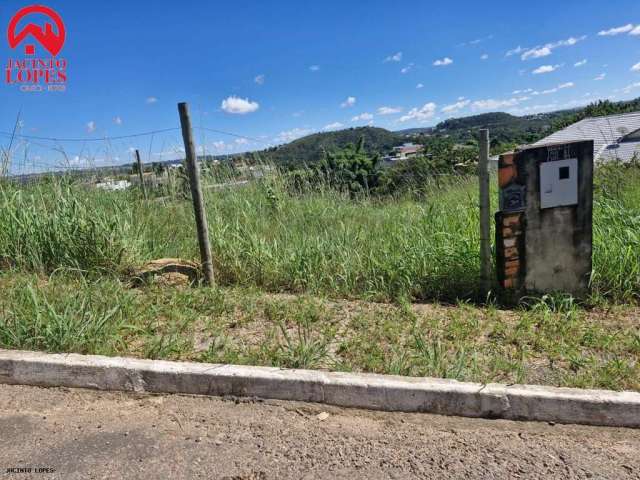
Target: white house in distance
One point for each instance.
(615, 137)
(403, 152)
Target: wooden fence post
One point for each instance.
(485, 220)
(140, 174)
(196, 193)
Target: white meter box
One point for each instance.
(559, 183)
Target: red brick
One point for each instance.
(511, 220)
(508, 283)
(511, 253)
(507, 158)
(506, 175)
(512, 264)
(511, 272)
(509, 242)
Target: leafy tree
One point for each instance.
(441, 159)
(600, 108)
(351, 168)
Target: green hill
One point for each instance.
(504, 129)
(310, 149)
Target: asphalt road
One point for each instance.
(82, 434)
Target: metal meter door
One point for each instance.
(559, 183)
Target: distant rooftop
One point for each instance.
(615, 137)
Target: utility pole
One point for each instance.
(485, 220)
(140, 174)
(196, 193)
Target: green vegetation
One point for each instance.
(298, 265)
(598, 109)
(552, 341)
(504, 128)
(507, 131)
(317, 240)
(313, 148)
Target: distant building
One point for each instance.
(615, 137)
(113, 185)
(403, 152)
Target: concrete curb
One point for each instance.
(376, 392)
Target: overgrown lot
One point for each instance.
(319, 242)
(298, 273)
(552, 341)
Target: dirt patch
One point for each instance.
(87, 434)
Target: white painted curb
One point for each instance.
(377, 392)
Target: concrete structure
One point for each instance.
(376, 392)
(615, 137)
(544, 227)
(113, 185)
(403, 152)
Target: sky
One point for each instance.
(274, 71)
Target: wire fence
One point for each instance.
(25, 155)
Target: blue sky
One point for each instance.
(274, 71)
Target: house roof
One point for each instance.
(614, 136)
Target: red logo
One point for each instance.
(31, 73)
(49, 40)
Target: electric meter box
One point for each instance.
(544, 227)
(559, 183)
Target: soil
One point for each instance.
(87, 434)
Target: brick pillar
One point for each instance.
(510, 249)
(510, 261)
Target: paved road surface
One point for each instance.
(83, 434)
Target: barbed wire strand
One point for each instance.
(122, 137)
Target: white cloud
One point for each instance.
(363, 117)
(396, 57)
(151, 100)
(636, 67)
(389, 110)
(492, 104)
(633, 86)
(546, 69)
(219, 145)
(349, 102)
(420, 85)
(454, 107)
(476, 41)
(420, 114)
(443, 62)
(616, 31)
(407, 69)
(515, 51)
(534, 108)
(241, 141)
(600, 77)
(91, 126)
(333, 126)
(554, 90)
(635, 31)
(518, 92)
(314, 68)
(536, 53)
(259, 79)
(545, 50)
(293, 134)
(239, 106)
(484, 56)
(580, 63)
(117, 121)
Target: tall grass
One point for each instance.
(319, 241)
